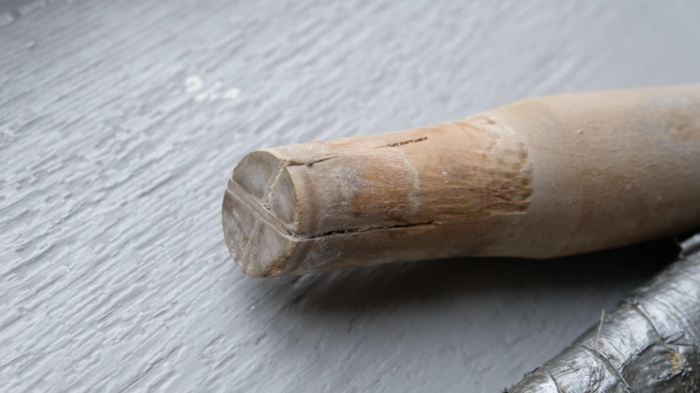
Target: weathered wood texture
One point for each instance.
(120, 123)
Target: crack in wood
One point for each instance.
(403, 142)
(366, 229)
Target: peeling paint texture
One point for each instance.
(120, 123)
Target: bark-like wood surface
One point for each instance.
(120, 121)
(650, 344)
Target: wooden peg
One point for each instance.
(539, 178)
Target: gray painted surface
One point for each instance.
(121, 122)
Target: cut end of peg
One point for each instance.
(258, 238)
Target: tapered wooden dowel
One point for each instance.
(538, 178)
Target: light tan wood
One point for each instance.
(539, 178)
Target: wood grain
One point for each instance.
(120, 123)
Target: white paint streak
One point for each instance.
(193, 84)
(232, 93)
(210, 94)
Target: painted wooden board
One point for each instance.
(120, 123)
